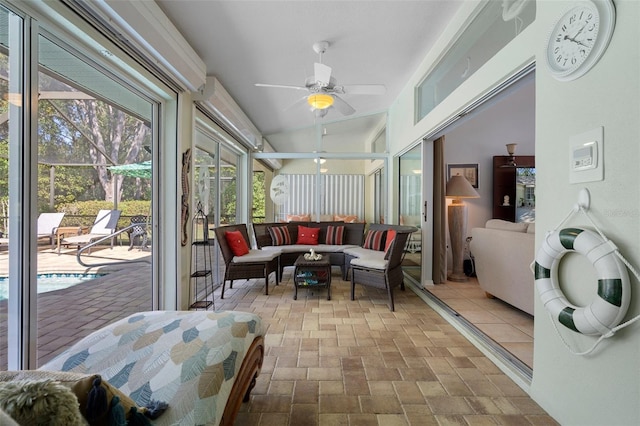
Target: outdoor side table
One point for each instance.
(312, 274)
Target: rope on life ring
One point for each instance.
(605, 311)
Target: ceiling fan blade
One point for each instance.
(322, 74)
(342, 106)
(302, 100)
(364, 89)
(281, 86)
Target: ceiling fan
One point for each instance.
(323, 90)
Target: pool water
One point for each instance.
(51, 282)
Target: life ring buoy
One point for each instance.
(612, 301)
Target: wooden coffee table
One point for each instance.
(312, 274)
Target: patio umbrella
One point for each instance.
(138, 170)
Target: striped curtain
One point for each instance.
(343, 194)
(302, 196)
(339, 194)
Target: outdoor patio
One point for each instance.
(69, 314)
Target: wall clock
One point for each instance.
(579, 38)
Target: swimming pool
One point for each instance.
(51, 282)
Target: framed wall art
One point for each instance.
(470, 171)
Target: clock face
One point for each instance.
(579, 38)
(572, 39)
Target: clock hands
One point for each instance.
(579, 31)
(566, 37)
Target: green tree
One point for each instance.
(82, 130)
(259, 197)
(228, 194)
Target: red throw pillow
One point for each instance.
(334, 235)
(373, 240)
(237, 243)
(391, 235)
(308, 235)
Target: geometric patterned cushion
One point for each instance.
(188, 359)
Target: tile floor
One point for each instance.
(337, 362)
(511, 328)
(343, 362)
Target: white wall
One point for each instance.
(601, 388)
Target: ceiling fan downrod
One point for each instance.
(320, 47)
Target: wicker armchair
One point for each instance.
(385, 271)
(255, 264)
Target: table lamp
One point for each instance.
(458, 188)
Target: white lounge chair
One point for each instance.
(105, 224)
(48, 223)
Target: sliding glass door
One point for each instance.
(78, 173)
(94, 182)
(11, 154)
(410, 206)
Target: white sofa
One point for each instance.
(503, 252)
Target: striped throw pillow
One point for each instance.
(373, 240)
(280, 235)
(334, 235)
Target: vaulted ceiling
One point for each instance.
(248, 42)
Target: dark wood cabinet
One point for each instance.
(504, 184)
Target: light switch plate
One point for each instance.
(586, 156)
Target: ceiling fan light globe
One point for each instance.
(320, 101)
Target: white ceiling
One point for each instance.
(248, 42)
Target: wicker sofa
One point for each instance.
(353, 237)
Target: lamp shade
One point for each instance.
(320, 100)
(459, 187)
